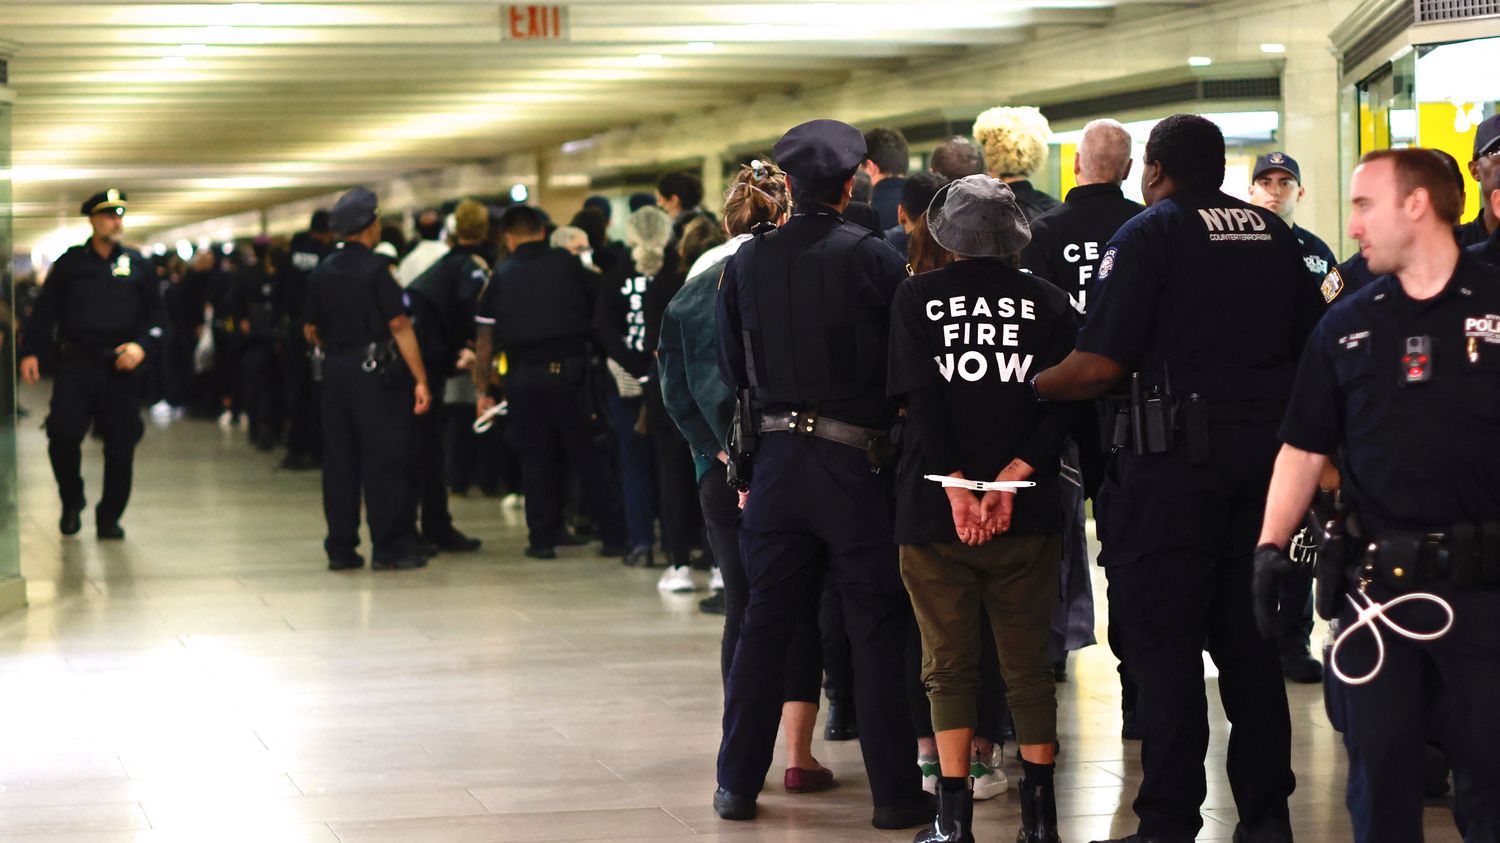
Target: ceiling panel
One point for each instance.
(205, 109)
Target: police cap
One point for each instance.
(1487, 137)
(820, 150)
(106, 200)
(354, 211)
(1276, 161)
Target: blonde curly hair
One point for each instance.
(1014, 140)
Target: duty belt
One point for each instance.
(811, 424)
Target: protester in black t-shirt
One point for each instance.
(964, 340)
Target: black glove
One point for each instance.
(1271, 563)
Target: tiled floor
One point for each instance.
(209, 680)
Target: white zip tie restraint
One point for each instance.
(980, 485)
(487, 421)
(1371, 612)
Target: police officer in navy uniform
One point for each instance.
(1401, 384)
(1066, 246)
(304, 438)
(95, 312)
(538, 309)
(1489, 250)
(1276, 185)
(803, 318)
(443, 300)
(373, 380)
(1484, 167)
(1202, 306)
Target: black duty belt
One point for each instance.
(811, 424)
(1469, 554)
(72, 352)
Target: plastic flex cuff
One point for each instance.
(487, 421)
(1368, 614)
(980, 485)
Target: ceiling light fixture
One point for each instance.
(174, 61)
(650, 59)
(701, 46)
(1199, 61)
(1273, 48)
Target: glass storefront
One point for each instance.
(1432, 95)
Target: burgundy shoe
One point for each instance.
(798, 780)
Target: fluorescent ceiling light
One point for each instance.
(1199, 61)
(650, 59)
(701, 46)
(174, 61)
(1273, 48)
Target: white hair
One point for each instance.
(1104, 152)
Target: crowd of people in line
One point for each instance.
(867, 407)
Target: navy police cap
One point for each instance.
(106, 200)
(1487, 137)
(1276, 161)
(354, 211)
(821, 149)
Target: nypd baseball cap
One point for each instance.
(354, 212)
(1487, 137)
(1276, 161)
(105, 200)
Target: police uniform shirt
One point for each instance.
(96, 303)
(352, 297)
(1316, 256)
(813, 299)
(1210, 287)
(1473, 231)
(444, 299)
(1417, 456)
(539, 304)
(1489, 250)
(254, 294)
(965, 339)
(1068, 241)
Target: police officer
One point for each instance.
(1067, 244)
(1402, 381)
(255, 298)
(538, 309)
(1202, 300)
(95, 312)
(304, 437)
(803, 315)
(1489, 250)
(1484, 167)
(443, 300)
(371, 372)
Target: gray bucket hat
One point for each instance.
(977, 217)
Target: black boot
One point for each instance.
(1038, 804)
(841, 723)
(955, 818)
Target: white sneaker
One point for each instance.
(226, 420)
(716, 582)
(677, 579)
(161, 410)
(928, 764)
(513, 501)
(989, 779)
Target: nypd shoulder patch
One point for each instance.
(1107, 263)
(1333, 285)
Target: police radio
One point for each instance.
(1416, 364)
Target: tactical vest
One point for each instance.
(814, 329)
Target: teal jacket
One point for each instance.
(697, 399)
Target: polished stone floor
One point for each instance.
(209, 680)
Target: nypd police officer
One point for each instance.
(803, 317)
(95, 311)
(1401, 380)
(304, 441)
(1203, 301)
(373, 380)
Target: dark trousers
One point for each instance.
(259, 398)
(94, 394)
(1177, 543)
(815, 508)
(227, 375)
(721, 516)
(482, 459)
(366, 423)
(681, 514)
(1294, 621)
(549, 430)
(427, 506)
(304, 435)
(637, 470)
(1450, 684)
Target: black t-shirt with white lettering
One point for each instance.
(965, 339)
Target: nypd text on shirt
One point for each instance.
(1233, 224)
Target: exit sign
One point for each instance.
(534, 23)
